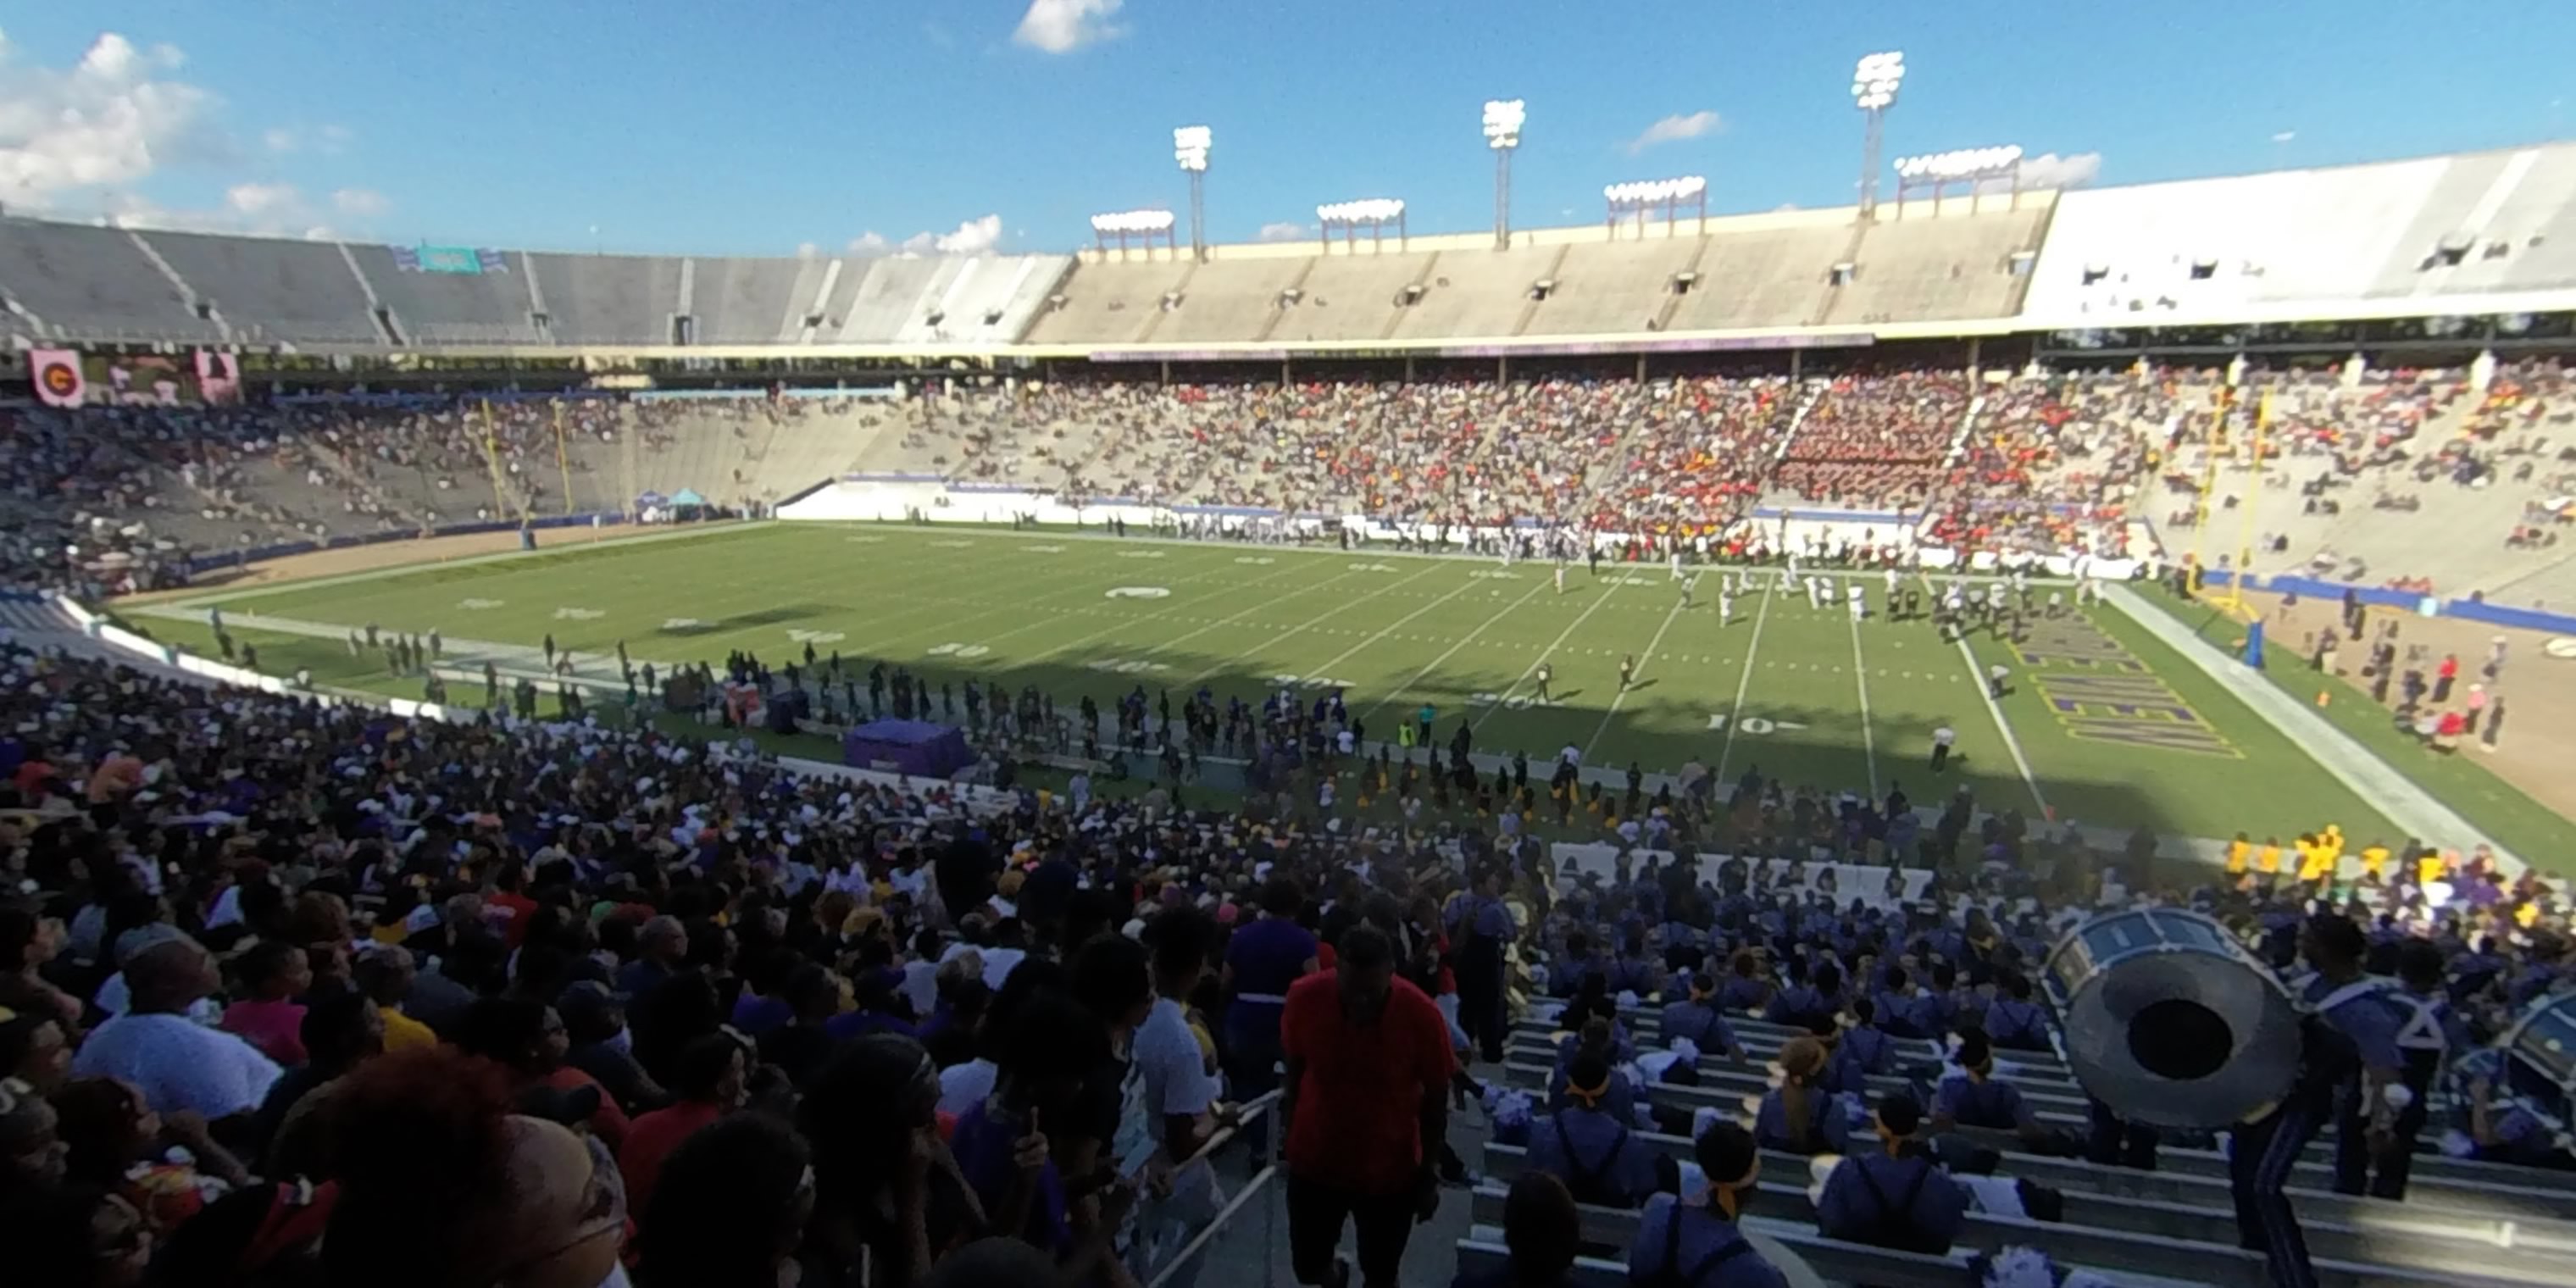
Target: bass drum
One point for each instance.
(2167, 1019)
(2540, 1061)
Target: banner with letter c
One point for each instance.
(218, 377)
(56, 374)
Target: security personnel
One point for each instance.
(1696, 1017)
(1898, 1198)
(1692, 1242)
(1595, 1152)
(1481, 927)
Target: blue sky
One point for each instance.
(760, 126)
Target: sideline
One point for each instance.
(2357, 767)
(218, 596)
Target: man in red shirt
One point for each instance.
(710, 1084)
(1367, 1107)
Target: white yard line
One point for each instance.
(1868, 741)
(1996, 710)
(1132, 621)
(1744, 684)
(1461, 642)
(1644, 660)
(1325, 671)
(1312, 622)
(1549, 651)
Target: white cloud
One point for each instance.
(1676, 127)
(327, 140)
(1062, 26)
(807, 250)
(111, 120)
(266, 209)
(2285, 136)
(1283, 232)
(972, 237)
(2049, 170)
(255, 199)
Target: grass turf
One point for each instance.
(1800, 693)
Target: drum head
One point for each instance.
(2170, 1022)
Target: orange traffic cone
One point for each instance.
(2324, 698)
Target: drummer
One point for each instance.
(2013, 1022)
(2370, 1013)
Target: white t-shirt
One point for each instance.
(961, 1085)
(1175, 1066)
(179, 1064)
(921, 985)
(1944, 736)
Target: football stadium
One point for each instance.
(1997, 733)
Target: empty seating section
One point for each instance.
(747, 301)
(981, 300)
(882, 295)
(452, 308)
(2495, 221)
(1616, 286)
(1229, 299)
(1769, 277)
(1925, 266)
(81, 282)
(1476, 295)
(2222, 247)
(1109, 302)
(265, 287)
(607, 299)
(1345, 296)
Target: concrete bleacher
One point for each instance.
(465, 308)
(874, 299)
(84, 281)
(1234, 299)
(983, 299)
(1355, 294)
(1920, 266)
(2439, 1180)
(1479, 293)
(1767, 276)
(748, 301)
(1618, 286)
(1109, 301)
(2513, 212)
(606, 299)
(292, 290)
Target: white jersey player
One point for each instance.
(1859, 602)
(1725, 604)
(1560, 578)
(1677, 563)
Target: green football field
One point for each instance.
(2102, 723)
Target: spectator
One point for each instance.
(712, 1079)
(274, 974)
(886, 1188)
(1543, 1232)
(341, 1032)
(730, 1208)
(386, 973)
(35, 1049)
(161, 1165)
(442, 1186)
(178, 1063)
(1368, 1085)
(527, 1038)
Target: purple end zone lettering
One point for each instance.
(2159, 734)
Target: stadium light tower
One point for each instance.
(1503, 120)
(1190, 148)
(1874, 83)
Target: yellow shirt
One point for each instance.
(2526, 914)
(2428, 869)
(2269, 859)
(2237, 853)
(403, 1033)
(2374, 860)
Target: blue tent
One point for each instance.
(652, 500)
